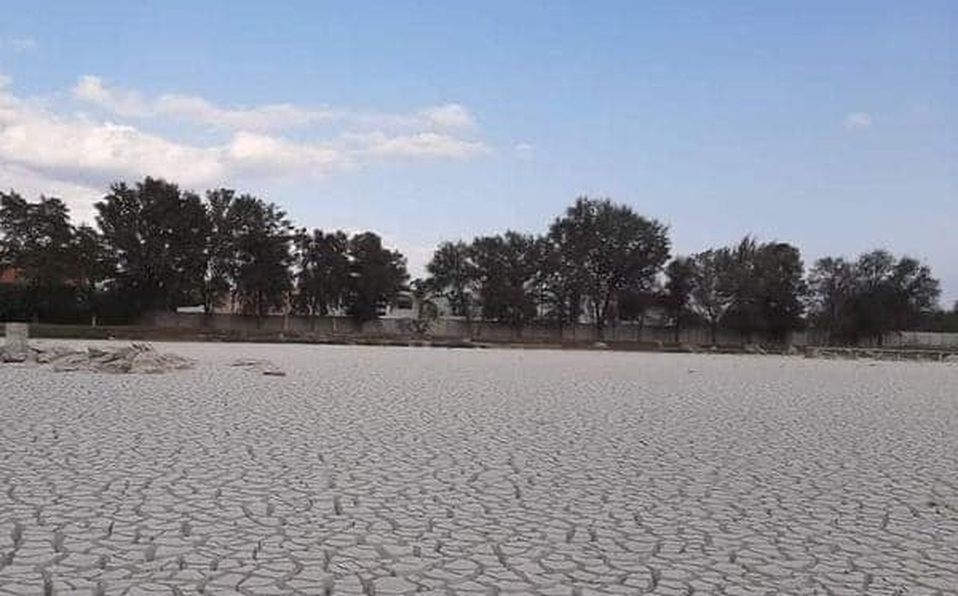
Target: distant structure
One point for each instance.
(404, 307)
(9, 276)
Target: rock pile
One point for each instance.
(135, 359)
(263, 367)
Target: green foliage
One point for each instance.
(713, 286)
(679, 284)
(220, 264)
(634, 305)
(872, 296)
(451, 275)
(260, 238)
(159, 236)
(940, 320)
(427, 311)
(610, 250)
(58, 266)
(506, 269)
(322, 264)
(752, 288)
(560, 288)
(56, 303)
(768, 289)
(161, 247)
(93, 264)
(36, 239)
(376, 276)
(832, 284)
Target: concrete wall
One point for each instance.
(921, 339)
(446, 328)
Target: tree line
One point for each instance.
(603, 261)
(157, 247)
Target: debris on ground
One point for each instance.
(137, 358)
(259, 365)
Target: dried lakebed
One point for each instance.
(387, 471)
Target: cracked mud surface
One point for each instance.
(394, 471)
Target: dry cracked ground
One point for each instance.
(396, 471)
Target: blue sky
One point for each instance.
(832, 125)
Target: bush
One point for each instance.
(52, 304)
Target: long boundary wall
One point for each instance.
(449, 328)
(921, 339)
(446, 328)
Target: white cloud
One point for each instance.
(78, 197)
(451, 115)
(70, 151)
(130, 104)
(120, 102)
(426, 144)
(524, 151)
(269, 117)
(858, 121)
(76, 149)
(257, 153)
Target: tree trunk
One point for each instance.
(600, 316)
(259, 310)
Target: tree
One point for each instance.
(940, 320)
(559, 286)
(451, 275)
(612, 249)
(876, 294)
(782, 289)
(159, 237)
(891, 294)
(220, 249)
(427, 312)
(744, 312)
(831, 286)
(376, 277)
(93, 264)
(871, 300)
(261, 237)
(712, 287)
(506, 270)
(915, 292)
(679, 284)
(767, 287)
(634, 305)
(36, 240)
(322, 264)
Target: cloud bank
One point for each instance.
(71, 149)
(272, 117)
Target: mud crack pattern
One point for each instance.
(399, 471)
